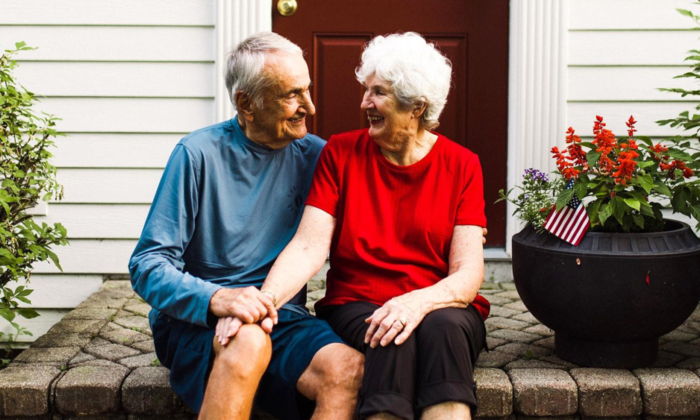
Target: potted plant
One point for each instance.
(26, 176)
(634, 276)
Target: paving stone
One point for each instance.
(142, 360)
(526, 317)
(494, 393)
(544, 392)
(517, 306)
(24, 390)
(489, 293)
(511, 294)
(492, 343)
(667, 359)
(522, 350)
(111, 352)
(531, 364)
(676, 335)
(692, 364)
(515, 336)
(495, 359)
(505, 323)
(547, 343)
(147, 391)
(80, 358)
(693, 325)
(144, 346)
(608, 392)
(90, 390)
(695, 316)
(141, 309)
(78, 326)
(61, 340)
(685, 349)
(99, 362)
(91, 313)
(57, 356)
(103, 302)
(138, 322)
(124, 336)
(97, 342)
(539, 329)
(508, 286)
(574, 417)
(669, 392)
(557, 361)
(497, 301)
(503, 312)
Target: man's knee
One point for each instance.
(248, 352)
(441, 322)
(345, 372)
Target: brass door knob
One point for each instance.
(287, 7)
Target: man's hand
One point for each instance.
(245, 303)
(227, 328)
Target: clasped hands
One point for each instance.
(238, 306)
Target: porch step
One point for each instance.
(99, 363)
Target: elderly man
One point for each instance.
(229, 201)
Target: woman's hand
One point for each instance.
(396, 320)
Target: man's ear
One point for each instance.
(244, 105)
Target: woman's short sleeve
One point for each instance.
(470, 210)
(324, 191)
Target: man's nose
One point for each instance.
(308, 104)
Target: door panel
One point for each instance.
(473, 34)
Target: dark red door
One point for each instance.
(472, 33)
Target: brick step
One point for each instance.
(99, 363)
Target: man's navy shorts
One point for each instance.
(187, 350)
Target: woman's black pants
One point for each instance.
(435, 365)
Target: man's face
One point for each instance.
(286, 102)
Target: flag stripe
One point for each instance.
(571, 222)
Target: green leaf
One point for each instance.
(632, 202)
(19, 45)
(580, 189)
(646, 140)
(592, 157)
(7, 314)
(564, 197)
(592, 210)
(618, 208)
(638, 220)
(646, 181)
(662, 188)
(28, 313)
(54, 258)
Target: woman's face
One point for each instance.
(390, 123)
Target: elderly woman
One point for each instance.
(401, 209)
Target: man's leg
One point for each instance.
(235, 375)
(332, 380)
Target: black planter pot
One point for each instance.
(596, 297)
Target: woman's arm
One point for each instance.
(458, 289)
(302, 257)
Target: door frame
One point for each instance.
(538, 48)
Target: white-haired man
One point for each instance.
(229, 201)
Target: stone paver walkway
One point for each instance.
(99, 363)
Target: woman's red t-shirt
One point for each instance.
(394, 223)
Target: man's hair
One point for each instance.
(245, 64)
(416, 70)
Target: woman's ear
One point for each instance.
(419, 108)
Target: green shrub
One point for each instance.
(26, 176)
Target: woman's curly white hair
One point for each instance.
(416, 70)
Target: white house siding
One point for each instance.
(128, 78)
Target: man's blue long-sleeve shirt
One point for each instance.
(224, 210)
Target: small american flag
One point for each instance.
(571, 222)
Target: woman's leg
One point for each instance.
(448, 341)
(389, 379)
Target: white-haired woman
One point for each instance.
(401, 209)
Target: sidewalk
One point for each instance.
(99, 362)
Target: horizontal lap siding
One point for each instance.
(128, 79)
(620, 53)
